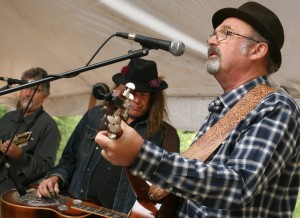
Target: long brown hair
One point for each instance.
(158, 112)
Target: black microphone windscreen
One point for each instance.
(100, 91)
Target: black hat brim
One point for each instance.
(139, 87)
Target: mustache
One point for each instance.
(213, 50)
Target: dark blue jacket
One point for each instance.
(81, 156)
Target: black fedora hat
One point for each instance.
(143, 74)
(263, 20)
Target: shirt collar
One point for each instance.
(31, 117)
(141, 119)
(229, 99)
(28, 119)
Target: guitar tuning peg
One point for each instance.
(130, 97)
(130, 87)
(115, 120)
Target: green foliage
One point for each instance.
(297, 208)
(186, 138)
(3, 110)
(66, 125)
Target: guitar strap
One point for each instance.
(202, 148)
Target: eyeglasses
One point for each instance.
(222, 35)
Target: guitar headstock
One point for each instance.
(117, 109)
(20, 139)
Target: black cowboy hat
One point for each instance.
(143, 74)
(260, 18)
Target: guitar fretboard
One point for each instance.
(104, 212)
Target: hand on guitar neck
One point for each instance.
(15, 149)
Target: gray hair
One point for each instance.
(271, 67)
(37, 74)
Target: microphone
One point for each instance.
(175, 47)
(13, 81)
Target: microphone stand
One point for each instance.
(9, 84)
(5, 87)
(69, 74)
(13, 176)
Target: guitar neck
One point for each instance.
(97, 210)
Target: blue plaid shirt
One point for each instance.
(254, 173)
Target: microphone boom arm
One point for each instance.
(69, 74)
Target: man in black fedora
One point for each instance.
(253, 169)
(83, 172)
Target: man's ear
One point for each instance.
(260, 50)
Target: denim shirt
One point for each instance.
(82, 154)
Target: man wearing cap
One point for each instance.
(83, 172)
(255, 170)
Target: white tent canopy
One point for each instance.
(62, 35)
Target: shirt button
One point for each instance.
(178, 194)
(140, 173)
(88, 169)
(81, 190)
(96, 147)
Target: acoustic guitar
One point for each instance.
(31, 206)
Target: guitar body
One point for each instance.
(31, 206)
(168, 208)
(146, 208)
